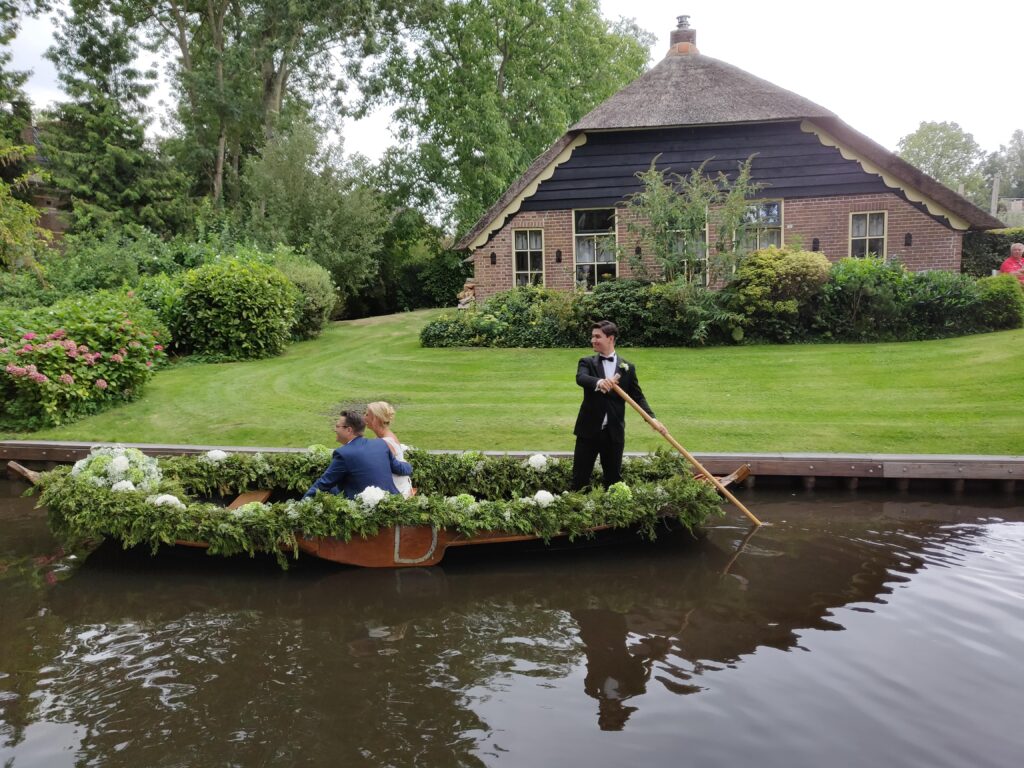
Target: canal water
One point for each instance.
(856, 630)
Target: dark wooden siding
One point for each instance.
(789, 162)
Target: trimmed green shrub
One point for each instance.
(656, 314)
(77, 357)
(1000, 303)
(317, 294)
(235, 310)
(985, 251)
(778, 292)
(940, 304)
(863, 300)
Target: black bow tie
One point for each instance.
(607, 359)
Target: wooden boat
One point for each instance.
(400, 546)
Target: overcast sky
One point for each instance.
(882, 66)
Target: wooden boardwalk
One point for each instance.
(951, 472)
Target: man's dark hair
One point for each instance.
(607, 327)
(355, 420)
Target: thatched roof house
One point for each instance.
(823, 182)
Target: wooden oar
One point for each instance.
(689, 457)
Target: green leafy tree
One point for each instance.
(672, 213)
(1008, 164)
(20, 234)
(484, 86)
(94, 143)
(299, 194)
(949, 154)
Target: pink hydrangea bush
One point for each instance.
(77, 357)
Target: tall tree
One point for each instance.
(949, 154)
(95, 143)
(239, 65)
(1008, 163)
(299, 194)
(484, 86)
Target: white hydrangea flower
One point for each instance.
(543, 498)
(79, 466)
(168, 500)
(372, 496)
(538, 462)
(123, 485)
(215, 456)
(119, 465)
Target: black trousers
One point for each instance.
(587, 449)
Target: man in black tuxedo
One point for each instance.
(601, 424)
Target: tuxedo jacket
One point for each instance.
(596, 405)
(359, 464)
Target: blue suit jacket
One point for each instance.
(358, 465)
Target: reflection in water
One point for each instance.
(186, 660)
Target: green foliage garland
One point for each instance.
(508, 494)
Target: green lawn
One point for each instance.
(953, 396)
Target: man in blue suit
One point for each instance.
(359, 463)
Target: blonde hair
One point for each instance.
(382, 411)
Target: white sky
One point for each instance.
(883, 66)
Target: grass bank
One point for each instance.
(961, 395)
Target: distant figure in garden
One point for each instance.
(359, 463)
(1014, 265)
(601, 423)
(379, 416)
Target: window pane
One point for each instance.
(876, 224)
(537, 278)
(771, 213)
(522, 279)
(605, 272)
(602, 220)
(521, 262)
(585, 275)
(585, 250)
(535, 238)
(858, 248)
(859, 225)
(536, 262)
(605, 249)
(771, 237)
(522, 242)
(876, 245)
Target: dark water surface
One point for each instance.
(854, 631)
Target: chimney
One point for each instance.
(683, 39)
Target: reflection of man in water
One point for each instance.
(613, 673)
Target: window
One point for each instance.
(695, 264)
(764, 225)
(595, 246)
(528, 257)
(867, 234)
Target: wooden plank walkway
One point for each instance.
(846, 469)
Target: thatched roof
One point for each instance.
(693, 89)
(689, 89)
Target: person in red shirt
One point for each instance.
(1014, 265)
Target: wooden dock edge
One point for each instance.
(847, 470)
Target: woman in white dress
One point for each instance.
(378, 418)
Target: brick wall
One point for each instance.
(934, 245)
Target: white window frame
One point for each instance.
(528, 272)
(614, 233)
(867, 236)
(756, 231)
